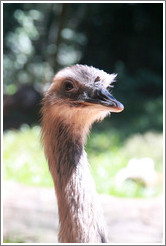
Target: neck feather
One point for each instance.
(79, 211)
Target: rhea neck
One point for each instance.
(79, 210)
(64, 137)
(68, 148)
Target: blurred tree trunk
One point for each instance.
(59, 38)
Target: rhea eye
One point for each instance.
(68, 86)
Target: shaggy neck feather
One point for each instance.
(78, 206)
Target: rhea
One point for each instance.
(78, 96)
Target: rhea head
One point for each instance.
(80, 95)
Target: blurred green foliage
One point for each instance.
(24, 159)
(125, 38)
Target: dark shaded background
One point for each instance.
(124, 38)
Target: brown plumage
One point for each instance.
(77, 97)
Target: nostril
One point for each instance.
(102, 95)
(99, 95)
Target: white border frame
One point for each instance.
(163, 243)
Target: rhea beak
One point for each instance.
(104, 98)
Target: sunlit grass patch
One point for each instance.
(24, 160)
(107, 160)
